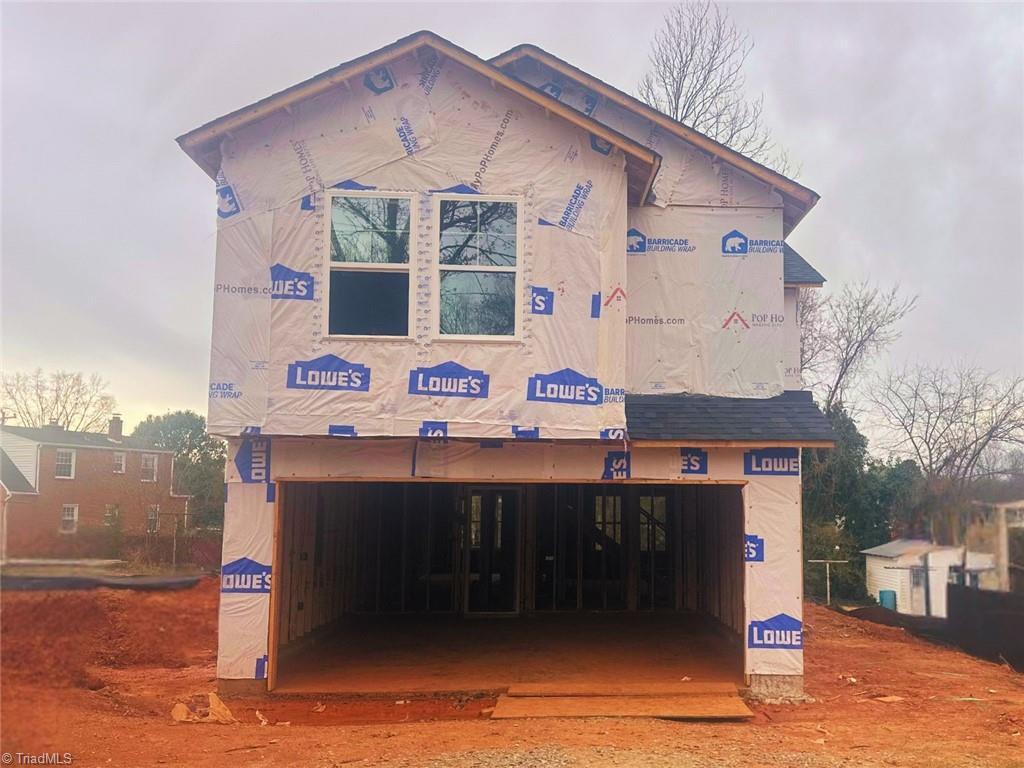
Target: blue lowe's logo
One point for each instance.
(525, 433)
(734, 244)
(328, 372)
(542, 300)
(261, 667)
(379, 80)
(613, 433)
(448, 380)
(780, 631)
(434, 429)
(564, 386)
(616, 466)
(253, 460)
(342, 430)
(693, 461)
(772, 461)
(636, 241)
(286, 283)
(244, 575)
(227, 202)
(753, 548)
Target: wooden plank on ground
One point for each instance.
(707, 707)
(653, 688)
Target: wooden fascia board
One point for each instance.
(195, 142)
(805, 196)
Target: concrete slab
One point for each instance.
(701, 707)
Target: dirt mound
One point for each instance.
(54, 637)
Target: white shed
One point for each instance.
(901, 565)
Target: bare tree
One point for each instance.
(841, 334)
(67, 398)
(696, 77)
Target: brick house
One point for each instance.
(75, 494)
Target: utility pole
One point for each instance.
(828, 577)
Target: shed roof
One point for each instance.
(791, 418)
(52, 435)
(797, 199)
(203, 143)
(797, 271)
(900, 547)
(11, 477)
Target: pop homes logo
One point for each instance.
(757, 320)
(565, 386)
(780, 632)
(328, 372)
(253, 460)
(449, 380)
(287, 283)
(245, 576)
(638, 242)
(735, 243)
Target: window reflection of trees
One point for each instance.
(370, 230)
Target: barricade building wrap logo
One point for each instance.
(287, 283)
(328, 372)
(227, 202)
(779, 632)
(735, 243)
(616, 466)
(772, 461)
(638, 242)
(753, 548)
(565, 386)
(573, 209)
(245, 576)
(253, 460)
(694, 461)
(542, 300)
(407, 135)
(224, 390)
(448, 380)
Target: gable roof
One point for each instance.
(900, 547)
(50, 435)
(203, 143)
(11, 477)
(797, 271)
(791, 418)
(797, 199)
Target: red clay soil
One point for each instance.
(97, 673)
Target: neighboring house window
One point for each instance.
(69, 518)
(368, 282)
(916, 577)
(149, 467)
(111, 515)
(119, 462)
(478, 263)
(153, 518)
(65, 467)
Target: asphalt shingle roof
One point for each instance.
(12, 478)
(789, 416)
(796, 270)
(60, 436)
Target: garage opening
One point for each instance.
(427, 586)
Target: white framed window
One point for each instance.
(68, 518)
(153, 518)
(148, 471)
(479, 266)
(367, 280)
(64, 467)
(119, 462)
(111, 515)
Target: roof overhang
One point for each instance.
(203, 143)
(797, 199)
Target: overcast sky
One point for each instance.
(908, 120)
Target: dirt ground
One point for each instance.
(97, 673)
